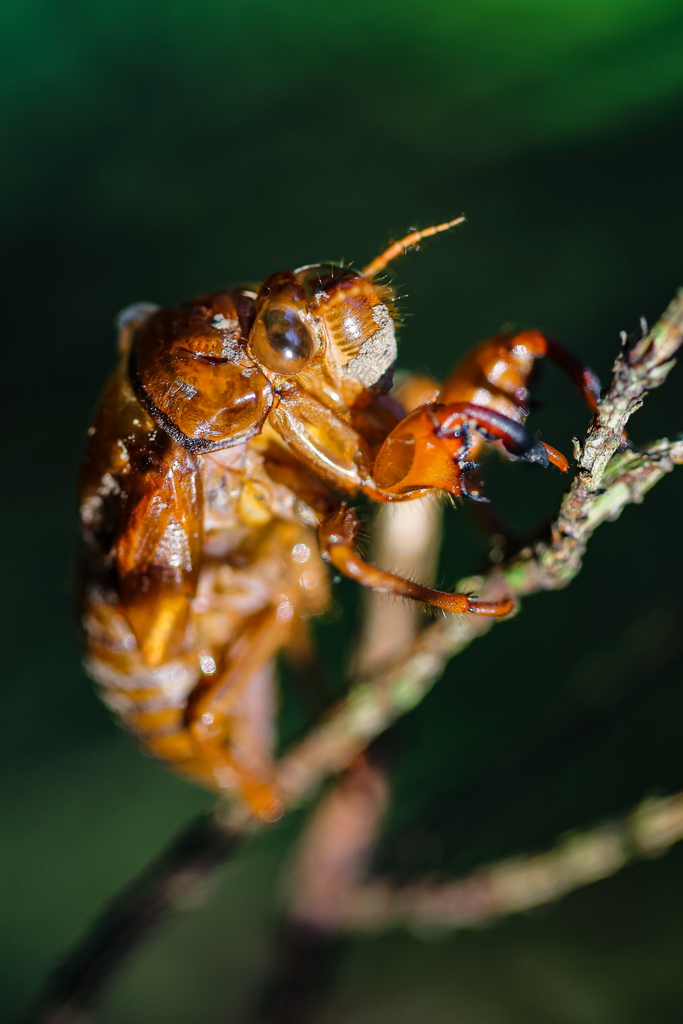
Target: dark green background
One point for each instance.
(156, 149)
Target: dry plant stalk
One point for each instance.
(517, 884)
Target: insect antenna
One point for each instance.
(405, 243)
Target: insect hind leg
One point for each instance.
(229, 717)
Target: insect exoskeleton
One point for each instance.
(231, 437)
(324, 316)
(191, 372)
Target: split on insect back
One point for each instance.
(231, 440)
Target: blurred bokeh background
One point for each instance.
(158, 148)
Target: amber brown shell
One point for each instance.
(191, 371)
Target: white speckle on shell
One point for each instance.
(378, 353)
(301, 552)
(351, 327)
(224, 323)
(173, 548)
(182, 387)
(207, 664)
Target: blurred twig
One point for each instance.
(332, 861)
(625, 677)
(162, 887)
(334, 852)
(511, 886)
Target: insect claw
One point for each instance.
(445, 430)
(533, 451)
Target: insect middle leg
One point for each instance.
(497, 372)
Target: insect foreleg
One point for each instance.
(435, 445)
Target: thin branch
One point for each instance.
(334, 851)
(332, 859)
(300, 975)
(604, 484)
(405, 540)
(518, 884)
(626, 480)
(635, 373)
(164, 886)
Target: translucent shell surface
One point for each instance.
(355, 319)
(191, 371)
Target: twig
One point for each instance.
(334, 851)
(635, 373)
(332, 860)
(405, 540)
(639, 665)
(164, 886)
(603, 486)
(299, 974)
(336, 848)
(515, 885)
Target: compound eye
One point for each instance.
(282, 341)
